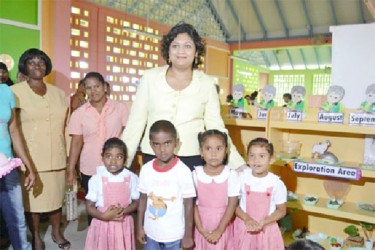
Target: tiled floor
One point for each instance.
(74, 231)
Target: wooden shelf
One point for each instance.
(315, 126)
(244, 122)
(348, 210)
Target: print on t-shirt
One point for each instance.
(158, 208)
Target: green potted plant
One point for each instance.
(353, 239)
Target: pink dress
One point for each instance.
(257, 207)
(212, 203)
(110, 235)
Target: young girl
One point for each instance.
(217, 191)
(262, 202)
(111, 199)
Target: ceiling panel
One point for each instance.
(239, 21)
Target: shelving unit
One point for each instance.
(242, 130)
(348, 145)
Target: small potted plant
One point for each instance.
(310, 199)
(353, 239)
(334, 203)
(336, 243)
(367, 231)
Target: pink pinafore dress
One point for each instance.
(212, 203)
(112, 235)
(257, 207)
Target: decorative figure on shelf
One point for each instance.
(369, 104)
(239, 104)
(268, 93)
(238, 100)
(324, 156)
(335, 94)
(298, 98)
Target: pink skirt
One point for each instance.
(269, 238)
(109, 235)
(210, 221)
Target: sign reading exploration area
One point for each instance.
(327, 170)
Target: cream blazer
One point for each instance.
(192, 110)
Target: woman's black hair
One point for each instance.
(30, 54)
(191, 31)
(203, 136)
(95, 75)
(115, 142)
(262, 142)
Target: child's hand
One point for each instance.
(141, 236)
(262, 224)
(187, 242)
(252, 225)
(114, 213)
(214, 236)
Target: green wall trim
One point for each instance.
(24, 11)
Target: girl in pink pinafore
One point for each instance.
(111, 198)
(262, 202)
(217, 194)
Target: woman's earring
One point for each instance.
(169, 61)
(196, 60)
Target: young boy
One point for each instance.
(165, 211)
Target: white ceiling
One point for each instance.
(240, 21)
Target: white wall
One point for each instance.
(353, 60)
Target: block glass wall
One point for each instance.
(81, 37)
(100, 42)
(127, 54)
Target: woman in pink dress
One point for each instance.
(217, 191)
(262, 202)
(111, 199)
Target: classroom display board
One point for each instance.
(353, 60)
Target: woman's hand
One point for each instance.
(241, 168)
(71, 178)
(30, 179)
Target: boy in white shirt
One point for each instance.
(165, 211)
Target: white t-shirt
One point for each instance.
(226, 174)
(164, 219)
(260, 184)
(95, 193)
